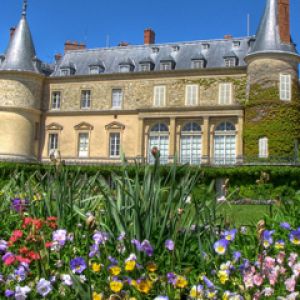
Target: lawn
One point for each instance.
(244, 214)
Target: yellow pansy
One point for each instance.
(116, 286)
(181, 282)
(223, 276)
(96, 267)
(130, 265)
(151, 267)
(115, 270)
(144, 286)
(97, 296)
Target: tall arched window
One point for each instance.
(190, 144)
(225, 144)
(159, 137)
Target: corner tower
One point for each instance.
(272, 114)
(21, 83)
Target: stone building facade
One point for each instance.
(197, 101)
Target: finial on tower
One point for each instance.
(24, 10)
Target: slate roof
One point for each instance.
(185, 52)
(268, 37)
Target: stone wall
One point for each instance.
(138, 93)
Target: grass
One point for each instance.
(244, 214)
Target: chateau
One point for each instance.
(210, 102)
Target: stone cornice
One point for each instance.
(20, 109)
(151, 75)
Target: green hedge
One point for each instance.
(238, 175)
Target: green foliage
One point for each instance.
(278, 121)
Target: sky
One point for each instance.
(101, 22)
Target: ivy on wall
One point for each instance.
(278, 121)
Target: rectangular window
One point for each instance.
(198, 64)
(225, 93)
(285, 87)
(230, 62)
(117, 98)
(85, 99)
(94, 70)
(114, 144)
(83, 144)
(145, 67)
(65, 72)
(56, 99)
(263, 148)
(166, 66)
(191, 94)
(159, 96)
(53, 142)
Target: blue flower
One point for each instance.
(221, 246)
(229, 235)
(267, 238)
(295, 236)
(44, 287)
(285, 225)
(77, 265)
(169, 244)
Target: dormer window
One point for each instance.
(165, 66)
(205, 46)
(230, 62)
(236, 44)
(65, 72)
(145, 67)
(198, 63)
(96, 70)
(126, 66)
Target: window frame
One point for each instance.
(65, 71)
(117, 146)
(230, 62)
(285, 87)
(121, 98)
(198, 64)
(78, 144)
(223, 100)
(50, 149)
(82, 100)
(165, 66)
(161, 101)
(263, 147)
(56, 107)
(188, 93)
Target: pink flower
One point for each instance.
(248, 281)
(280, 257)
(290, 284)
(268, 291)
(292, 259)
(269, 262)
(296, 269)
(258, 280)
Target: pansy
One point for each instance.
(229, 235)
(114, 270)
(97, 296)
(96, 267)
(279, 245)
(60, 236)
(9, 293)
(20, 274)
(171, 278)
(147, 248)
(169, 244)
(130, 265)
(144, 285)
(66, 279)
(44, 287)
(161, 298)
(77, 265)
(196, 291)
(221, 246)
(295, 237)
(285, 225)
(116, 285)
(223, 276)
(181, 282)
(19, 205)
(100, 237)
(267, 238)
(3, 246)
(21, 292)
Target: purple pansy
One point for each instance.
(147, 248)
(208, 283)
(94, 251)
(171, 277)
(60, 236)
(169, 244)
(3, 246)
(77, 265)
(19, 205)
(221, 246)
(285, 225)
(20, 274)
(267, 238)
(229, 235)
(100, 237)
(44, 287)
(295, 236)
(9, 293)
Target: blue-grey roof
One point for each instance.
(268, 36)
(182, 55)
(20, 54)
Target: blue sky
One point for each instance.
(53, 22)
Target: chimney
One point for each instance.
(69, 46)
(228, 37)
(284, 21)
(12, 32)
(57, 57)
(149, 36)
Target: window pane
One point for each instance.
(162, 143)
(192, 94)
(85, 99)
(53, 142)
(285, 87)
(117, 98)
(225, 149)
(114, 144)
(190, 149)
(55, 100)
(159, 96)
(83, 146)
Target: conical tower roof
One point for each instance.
(267, 38)
(20, 54)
